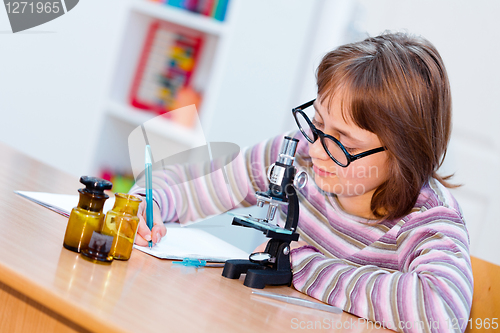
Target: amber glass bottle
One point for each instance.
(121, 222)
(87, 217)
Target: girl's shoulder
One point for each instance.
(435, 194)
(435, 203)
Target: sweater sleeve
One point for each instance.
(190, 192)
(431, 291)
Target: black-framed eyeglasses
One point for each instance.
(336, 150)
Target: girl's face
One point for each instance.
(361, 177)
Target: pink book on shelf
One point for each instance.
(191, 5)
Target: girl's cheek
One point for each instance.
(346, 173)
(364, 172)
(358, 172)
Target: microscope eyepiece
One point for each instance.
(287, 151)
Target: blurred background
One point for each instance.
(73, 89)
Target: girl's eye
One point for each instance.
(350, 150)
(317, 123)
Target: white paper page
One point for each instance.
(188, 242)
(60, 203)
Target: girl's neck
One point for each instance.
(358, 205)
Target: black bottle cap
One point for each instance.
(95, 185)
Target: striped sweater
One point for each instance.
(412, 274)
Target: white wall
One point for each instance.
(53, 79)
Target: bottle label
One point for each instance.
(100, 243)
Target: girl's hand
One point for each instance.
(144, 235)
(295, 245)
(261, 247)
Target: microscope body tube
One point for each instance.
(287, 151)
(283, 171)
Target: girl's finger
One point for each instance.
(142, 205)
(158, 232)
(157, 215)
(140, 241)
(143, 229)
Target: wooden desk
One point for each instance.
(46, 288)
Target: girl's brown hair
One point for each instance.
(394, 85)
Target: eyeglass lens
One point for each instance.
(331, 146)
(335, 150)
(304, 127)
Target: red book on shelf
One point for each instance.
(166, 66)
(207, 7)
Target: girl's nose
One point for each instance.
(317, 151)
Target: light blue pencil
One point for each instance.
(149, 191)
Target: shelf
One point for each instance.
(228, 72)
(180, 16)
(168, 129)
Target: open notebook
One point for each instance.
(179, 243)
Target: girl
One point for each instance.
(381, 235)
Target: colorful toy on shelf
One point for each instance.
(166, 66)
(122, 182)
(186, 96)
(212, 8)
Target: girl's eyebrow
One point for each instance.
(341, 132)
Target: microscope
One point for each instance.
(272, 267)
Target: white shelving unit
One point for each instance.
(170, 130)
(181, 17)
(233, 74)
(249, 73)
(120, 118)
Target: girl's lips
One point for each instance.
(322, 173)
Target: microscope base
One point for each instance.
(257, 275)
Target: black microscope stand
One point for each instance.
(258, 275)
(278, 270)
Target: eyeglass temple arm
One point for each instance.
(305, 105)
(368, 152)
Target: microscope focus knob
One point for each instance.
(300, 180)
